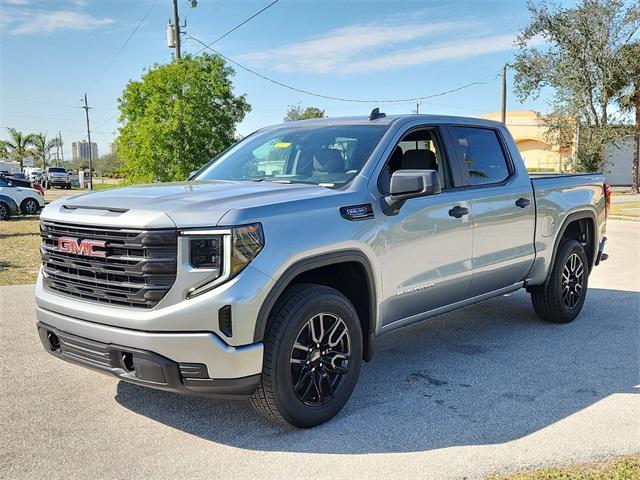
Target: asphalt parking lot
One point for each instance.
(486, 389)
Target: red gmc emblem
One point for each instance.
(85, 247)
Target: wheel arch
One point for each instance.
(571, 225)
(343, 270)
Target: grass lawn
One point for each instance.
(623, 468)
(19, 250)
(625, 211)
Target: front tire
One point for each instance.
(562, 299)
(312, 357)
(29, 206)
(5, 213)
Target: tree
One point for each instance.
(18, 145)
(296, 112)
(575, 51)
(41, 147)
(4, 150)
(177, 117)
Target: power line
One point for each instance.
(107, 120)
(46, 102)
(126, 42)
(236, 27)
(214, 10)
(482, 81)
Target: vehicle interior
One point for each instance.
(417, 150)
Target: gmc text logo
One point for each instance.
(84, 247)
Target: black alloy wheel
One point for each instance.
(320, 358)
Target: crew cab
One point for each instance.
(272, 272)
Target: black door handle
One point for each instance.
(523, 202)
(458, 211)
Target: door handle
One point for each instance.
(523, 202)
(458, 211)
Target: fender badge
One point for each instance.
(357, 212)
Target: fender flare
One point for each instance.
(572, 217)
(313, 262)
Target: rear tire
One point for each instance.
(312, 357)
(563, 297)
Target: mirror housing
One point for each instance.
(192, 174)
(407, 184)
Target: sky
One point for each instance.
(52, 52)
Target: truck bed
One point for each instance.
(557, 197)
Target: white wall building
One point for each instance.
(618, 167)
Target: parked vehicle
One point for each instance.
(32, 174)
(273, 271)
(18, 175)
(56, 177)
(8, 207)
(21, 182)
(29, 200)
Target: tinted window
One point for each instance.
(483, 155)
(57, 170)
(3, 183)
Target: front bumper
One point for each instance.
(195, 362)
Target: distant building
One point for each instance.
(536, 151)
(80, 150)
(112, 148)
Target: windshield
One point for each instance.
(57, 170)
(327, 155)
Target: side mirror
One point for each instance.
(192, 174)
(407, 184)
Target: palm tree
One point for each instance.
(42, 147)
(18, 145)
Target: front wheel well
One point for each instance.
(351, 278)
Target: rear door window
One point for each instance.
(482, 154)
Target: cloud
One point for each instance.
(456, 50)
(371, 47)
(26, 21)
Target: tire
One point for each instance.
(316, 371)
(29, 206)
(5, 213)
(563, 297)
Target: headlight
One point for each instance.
(205, 252)
(246, 243)
(215, 256)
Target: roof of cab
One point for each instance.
(390, 119)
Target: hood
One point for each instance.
(181, 204)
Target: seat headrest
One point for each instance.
(330, 160)
(419, 160)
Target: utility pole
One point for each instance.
(86, 111)
(61, 146)
(176, 22)
(417, 108)
(504, 93)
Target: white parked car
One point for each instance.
(29, 200)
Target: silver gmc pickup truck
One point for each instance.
(272, 272)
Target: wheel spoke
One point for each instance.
(320, 358)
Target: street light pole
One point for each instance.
(86, 111)
(176, 22)
(504, 93)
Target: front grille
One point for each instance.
(138, 270)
